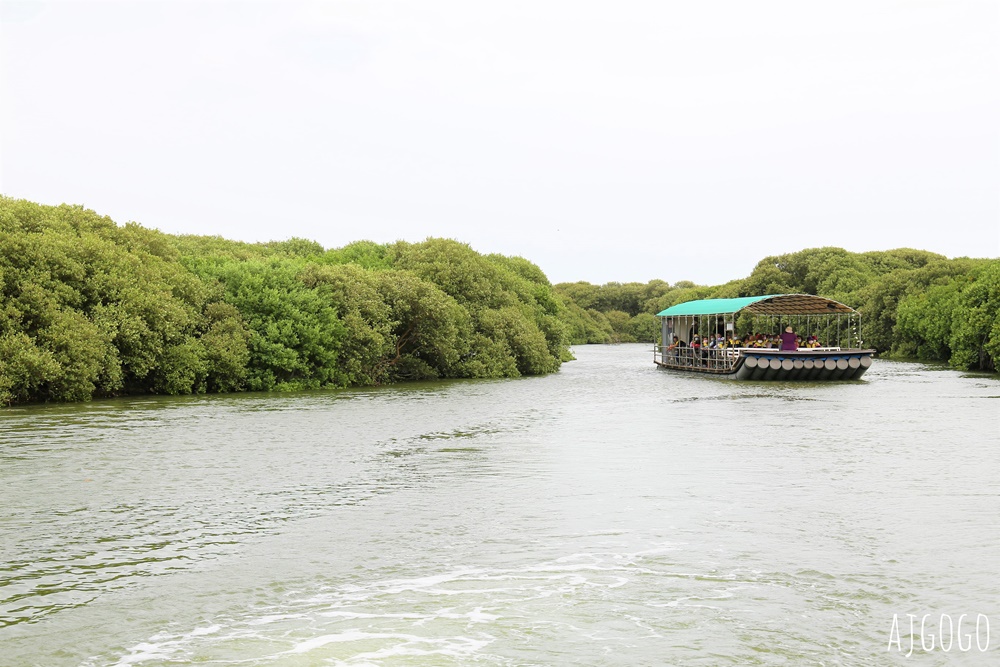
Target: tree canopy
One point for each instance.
(92, 308)
(913, 303)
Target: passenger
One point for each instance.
(789, 341)
(673, 348)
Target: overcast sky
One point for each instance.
(623, 140)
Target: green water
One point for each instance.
(610, 514)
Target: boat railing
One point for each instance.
(719, 360)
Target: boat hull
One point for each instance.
(786, 366)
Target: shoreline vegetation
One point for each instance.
(93, 309)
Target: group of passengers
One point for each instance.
(767, 341)
(786, 341)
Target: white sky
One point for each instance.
(623, 140)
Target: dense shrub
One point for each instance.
(90, 308)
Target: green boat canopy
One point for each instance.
(770, 304)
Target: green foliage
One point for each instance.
(644, 328)
(365, 254)
(509, 300)
(583, 326)
(955, 320)
(24, 368)
(629, 298)
(295, 333)
(226, 341)
(619, 321)
(430, 331)
(89, 308)
(913, 303)
(679, 294)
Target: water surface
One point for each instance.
(609, 514)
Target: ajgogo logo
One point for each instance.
(948, 633)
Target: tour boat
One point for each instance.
(831, 322)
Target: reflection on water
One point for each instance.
(611, 514)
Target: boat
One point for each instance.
(842, 357)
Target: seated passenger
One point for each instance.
(672, 348)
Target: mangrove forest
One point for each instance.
(90, 308)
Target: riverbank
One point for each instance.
(95, 309)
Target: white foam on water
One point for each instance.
(273, 618)
(452, 647)
(161, 646)
(403, 585)
(477, 615)
(352, 615)
(347, 636)
(463, 644)
(402, 617)
(210, 630)
(142, 653)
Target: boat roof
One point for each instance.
(769, 304)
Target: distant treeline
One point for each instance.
(913, 303)
(90, 308)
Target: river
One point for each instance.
(608, 514)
